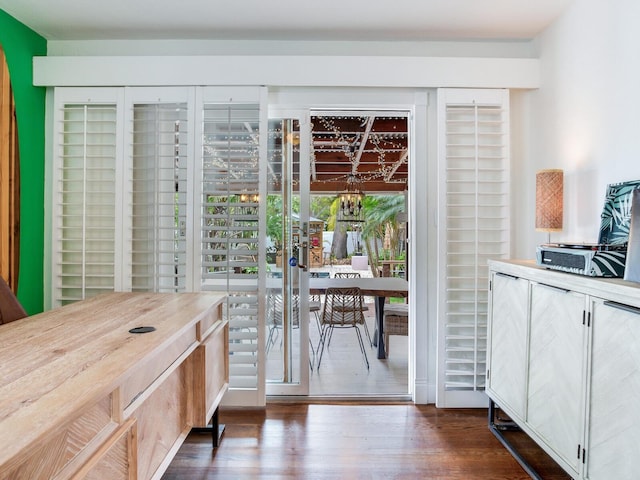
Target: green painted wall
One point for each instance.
(20, 45)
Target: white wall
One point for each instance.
(583, 119)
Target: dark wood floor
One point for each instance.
(355, 441)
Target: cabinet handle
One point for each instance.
(622, 306)
(506, 275)
(553, 287)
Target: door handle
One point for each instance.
(304, 256)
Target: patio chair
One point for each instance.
(364, 306)
(274, 310)
(342, 309)
(395, 322)
(315, 304)
(347, 275)
(275, 307)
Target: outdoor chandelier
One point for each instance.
(351, 201)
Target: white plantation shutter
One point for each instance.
(85, 194)
(157, 189)
(158, 197)
(473, 228)
(230, 232)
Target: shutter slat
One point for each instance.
(159, 197)
(229, 172)
(85, 212)
(477, 228)
(120, 203)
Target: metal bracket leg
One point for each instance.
(497, 429)
(215, 428)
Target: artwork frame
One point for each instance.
(632, 266)
(615, 220)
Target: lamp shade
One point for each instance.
(549, 200)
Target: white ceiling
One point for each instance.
(409, 20)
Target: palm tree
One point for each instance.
(380, 215)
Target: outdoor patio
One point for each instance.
(343, 372)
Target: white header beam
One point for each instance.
(291, 71)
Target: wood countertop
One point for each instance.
(56, 364)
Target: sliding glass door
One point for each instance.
(289, 354)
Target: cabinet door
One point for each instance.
(117, 457)
(507, 374)
(614, 413)
(556, 359)
(211, 364)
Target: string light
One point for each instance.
(328, 137)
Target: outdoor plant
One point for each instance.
(382, 228)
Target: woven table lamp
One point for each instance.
(549, 201)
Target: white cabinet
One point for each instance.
(556, 369)
(614, 398)
(565, 365)
(506, 376)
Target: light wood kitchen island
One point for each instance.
(82, 397)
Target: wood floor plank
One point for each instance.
(355, 441)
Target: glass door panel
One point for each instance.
(287, 318)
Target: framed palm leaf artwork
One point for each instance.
(616, 214)
(632, 267)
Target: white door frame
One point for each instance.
(422, 351)
(299, 386)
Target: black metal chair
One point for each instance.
(342, 309)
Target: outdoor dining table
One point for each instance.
(379, 287)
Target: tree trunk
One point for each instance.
(339, 244)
